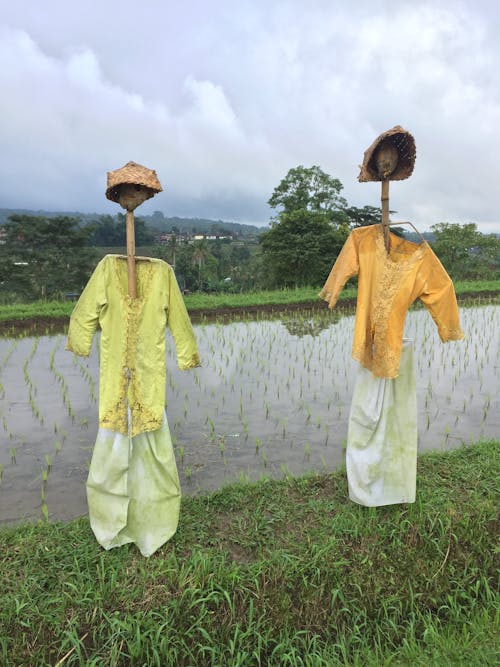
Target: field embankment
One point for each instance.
(44, 317)
(272, 573)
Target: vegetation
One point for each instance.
(212, 266)
(202, 301)
(44, 257)
(111, 231)
(273, 573)
(47, 256)
(465, 253)
(156, 221)
(309, 230)
(314, 221)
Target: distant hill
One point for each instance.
(157, 221)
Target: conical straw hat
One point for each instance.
(407, 151)
(133, 174)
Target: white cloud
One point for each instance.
(223, 99)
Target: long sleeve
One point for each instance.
(180, 325)
(85, 316)
(346, 266)
(439, 298)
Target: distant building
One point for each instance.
(211, 237)
(164, 239)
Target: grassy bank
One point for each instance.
(274, 573)
(202, 301)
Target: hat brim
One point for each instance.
(407, 152)
(133, 174)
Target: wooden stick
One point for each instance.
(132, 288)
(385, 213)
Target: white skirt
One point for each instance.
(133, 489)
(381, 456)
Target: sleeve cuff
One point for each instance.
(447, 334)
(194, 362)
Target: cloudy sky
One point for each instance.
(222, 98)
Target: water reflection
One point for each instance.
(309, 326)
(271, 398)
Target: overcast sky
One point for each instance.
(223, 97)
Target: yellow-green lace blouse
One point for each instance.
(132, 357)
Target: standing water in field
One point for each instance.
(272, 398)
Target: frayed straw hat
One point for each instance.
(403, 142)
(132, 174)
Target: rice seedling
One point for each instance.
(258, 378)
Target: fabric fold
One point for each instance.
(388, 283)
(381, 454)
(133, 489)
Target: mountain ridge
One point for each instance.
(156, 220)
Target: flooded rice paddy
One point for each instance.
(272, 398)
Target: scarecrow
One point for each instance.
(392, 273)
(133, 488)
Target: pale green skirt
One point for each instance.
(133, 489)
(381, 455)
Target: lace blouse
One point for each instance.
(387, 285)
(132, 350)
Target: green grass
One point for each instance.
(464, 286)
(202, 301)
(271, 573)
(37, 309)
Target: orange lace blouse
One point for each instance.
(387, 285)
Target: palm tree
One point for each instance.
(200, 253)
(173, 245)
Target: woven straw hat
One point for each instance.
(132, 174)
(405, 146)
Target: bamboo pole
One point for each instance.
(385, 213)
(132, 283)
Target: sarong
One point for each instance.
(381, 455)
(133, 489)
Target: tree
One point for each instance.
(300, 249)
(45, 257)
(106, 232)
(196, 267)
(309, 230)
(310, 189)
(465, 252)
(184, 268)
(173, 245)
(201, 252)
(246, 269)
(143, 234)
(360, 217)
(221, 250)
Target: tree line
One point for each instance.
(48, 257)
